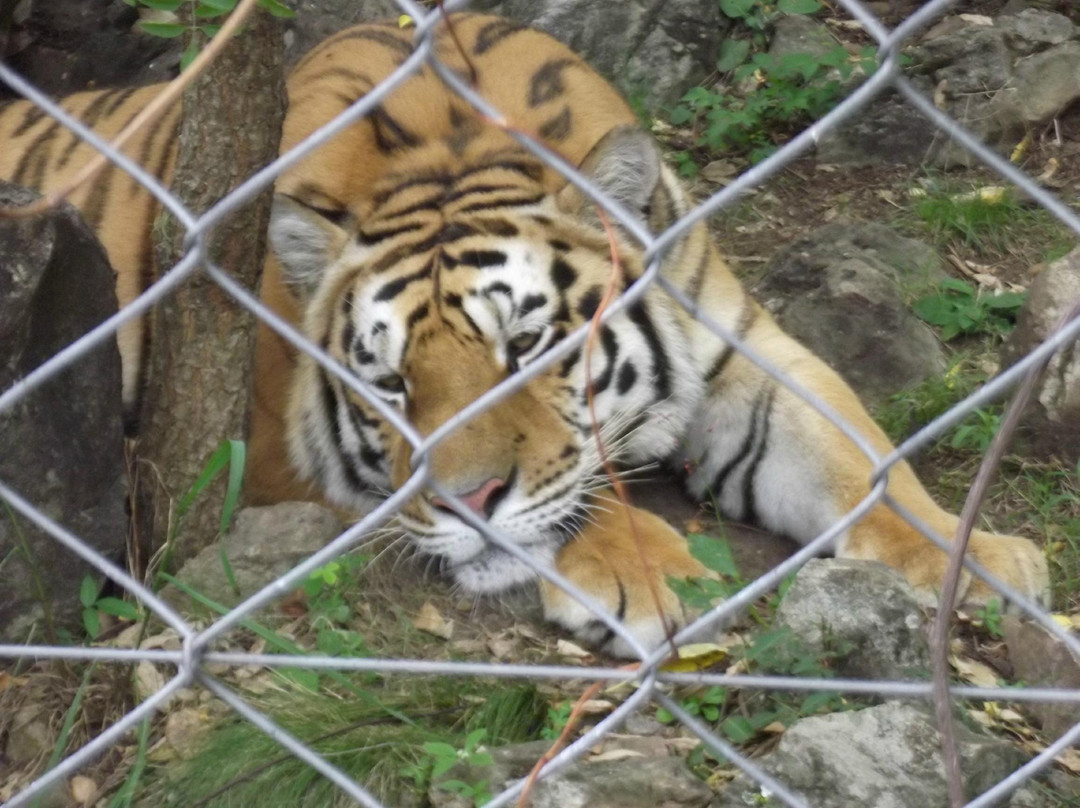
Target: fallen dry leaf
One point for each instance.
(568, 649)
(977, 673)
(431, 622)
(615, 754)
(1070, 759)
(147, 680)
(596, 706)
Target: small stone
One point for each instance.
(28, 737)
(1042, 660)
(262, 545)
(1052, 421)
(888, 756)
(863, 605)
(185, 730)
(1033, 28)
(83, 789)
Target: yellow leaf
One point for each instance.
(1021, 149)
(1064, 620)
(695, 657)
(404, 21)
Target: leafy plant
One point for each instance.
(768, 95)
(990, 617)
(203, 20)
(557, 716)
(977, 432)
(957, 307)
(708, 705)
(444, 757)
(94, 607)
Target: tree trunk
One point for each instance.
(200, 360)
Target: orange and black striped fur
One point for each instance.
(429, 253)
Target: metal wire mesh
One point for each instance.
(193, 660)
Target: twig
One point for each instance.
(564, 736)
(939, 637)
(151, 112)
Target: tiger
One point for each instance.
(428, 252)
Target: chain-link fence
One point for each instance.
(192, 661)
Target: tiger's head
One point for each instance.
(438, 285)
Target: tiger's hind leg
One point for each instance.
(622, 558)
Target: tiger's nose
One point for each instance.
(481, 501)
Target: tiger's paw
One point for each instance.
(622, 559)
(1018, 562)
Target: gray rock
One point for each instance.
(1046, 83)
(887, 131)
(863, 605)
(638, 782)
(1041, 659)
(798, 33)
(262, 545)
(1033, 29)
(316, 20)
(62, 446)
(887, 756)
(840, 292)
(1052, 421)
(653, 50)
(973, 60)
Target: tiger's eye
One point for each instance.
(522, 343)
(390, 383)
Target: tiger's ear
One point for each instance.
(625, 164)
(306, 240)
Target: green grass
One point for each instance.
(984, 219)
(241, 766)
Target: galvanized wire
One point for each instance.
(650, 682)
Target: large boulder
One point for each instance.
(999, 78)
(1052, 420)
(840, 292)
(62, 446)
(653, 50)
(887, 756)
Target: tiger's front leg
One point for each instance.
(622, 558)
(764, 455)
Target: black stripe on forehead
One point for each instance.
(392, 289)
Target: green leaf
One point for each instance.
(91, 622)
(798, 6)
(440, 750)
(165, 30)
(307, 679)
(733, 52)
(737, 9)
(118, 608)
(220, 6)
(473, 739)
(738, 729)
(277, 9)
(714, 553)
(663, 716)
(161, 5)
(189, 54)
(88, 591)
